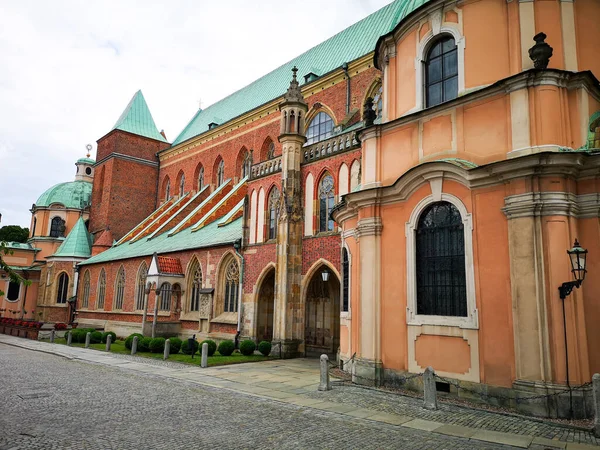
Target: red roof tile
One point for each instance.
(169, 265)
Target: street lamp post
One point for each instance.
(578, 259)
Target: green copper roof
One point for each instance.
(73, 194)
(350, 44)
(86, 161)
(78, 243)
(137, 119)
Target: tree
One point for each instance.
(12, 275)
(14, 233)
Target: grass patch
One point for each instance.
(215, 360)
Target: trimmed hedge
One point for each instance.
(106, 333)
(96, 337)
(226, 348)
(247, 347)
(144, 344)
(185, 348)
(212, 346)
(157, 345)
(80, 333)
(129, 340)
(264, 347)
(175, 345)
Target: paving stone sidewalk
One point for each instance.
(295, 382)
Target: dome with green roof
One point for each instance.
(73, 194)
(85, 161)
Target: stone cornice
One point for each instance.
(126, 158)
(568, 164)
(552, 204)
(369, 226)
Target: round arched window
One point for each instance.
(320, 128)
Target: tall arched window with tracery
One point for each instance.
(320, 128)
(195, 286)
(141, 286)
(247, 164)
(441, 71)
(231, 288)
(182, 185)
(86, 290)
(167, 189)
(221, 173)
(57, 227)
(200, 179)
(273, 213)
(271, 151)
(119, 289)
(440, 262)
(101, 290)
(326, 199)
(62, 289)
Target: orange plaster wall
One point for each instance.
(547, 20)
(437, 135)
(445, 353)
(399, 152)
(545, 116)
(406, 88)
(587, 31)
(486, 130)
(486, 53)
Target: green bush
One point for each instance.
(129, 340)
(212, 346)
(80, 333)
(226, 348)
(264, 347)
(247, 347)
(106, 333)
(144, 344)
(175, 345)
(157, 345)
(96, 337)
(185, 347)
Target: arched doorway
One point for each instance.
(265, 307)
(322, 325)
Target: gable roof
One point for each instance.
(346, 46)
(136, 119)
(78, 243)
(168, 265)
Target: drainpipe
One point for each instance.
(345, 69)
(237, 245)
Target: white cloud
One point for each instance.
(69, 69)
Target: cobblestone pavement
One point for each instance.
(50, 402)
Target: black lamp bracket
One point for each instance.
(567, 287)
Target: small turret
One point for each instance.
(293, 109)
(85, 167)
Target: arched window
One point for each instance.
(86, 290)
(378, 101)
(182, 185)
(246, 165)
(345, 280)
(273, 213)
(221, 173)
(14, 289)
(326, 196)
(271, 151)
(168, 190)
(141, 286)
(200, 179)
(232, 284)
(119, 289)
(441, 72)
(195, 286)
(101, 290)
(62, 288)
(440, 262)
(57, 227)
(165, 297)
(320, 128)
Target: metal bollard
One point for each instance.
(429, 390)
(69, 338)
(134, 345)
(204, 360)
(108, 342)
(52, 333)
(88, 336)
(167, 349)
(596, 391)
(324, 384)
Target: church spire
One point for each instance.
(136, 119)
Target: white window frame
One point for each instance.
(412, 318)
(6, 292)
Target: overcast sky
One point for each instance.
(69, 68)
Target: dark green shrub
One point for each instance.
(264, 347)
(129, 340)
(106, 333)
(212, 346)
(247, 347)
(157, 345)
(144, 344)
(185, 347)
(78, 336)
(226, 348)
(96, 337)
(175, 345)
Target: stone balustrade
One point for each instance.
(266, 168)
(331, 146)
